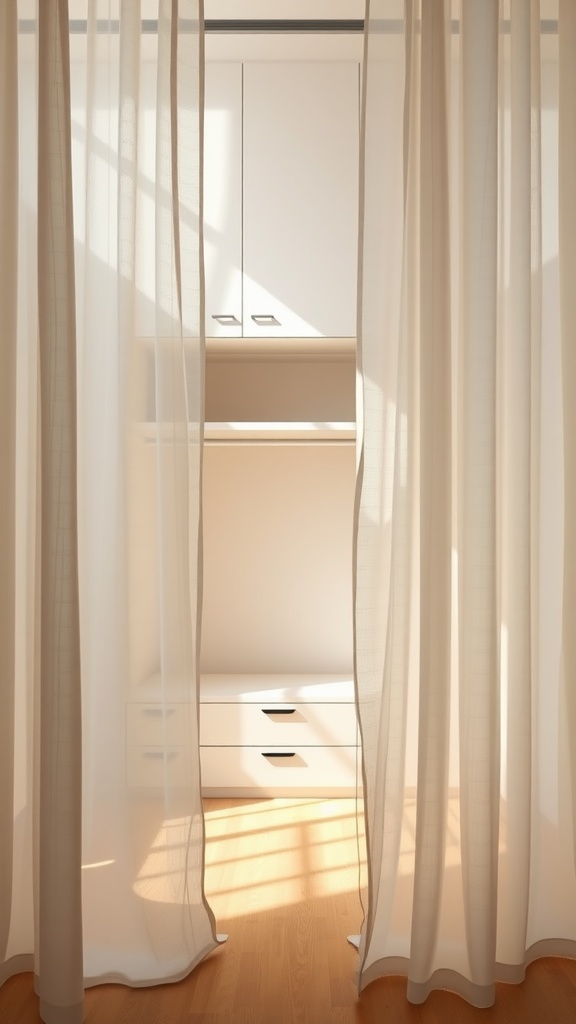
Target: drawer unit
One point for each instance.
(277, 724)
(278, 736)
(259, 736)
(278, 771)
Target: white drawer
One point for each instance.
(154, 767)
(158, 724)
(277, 724)
(262, 771)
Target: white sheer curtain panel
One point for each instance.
(101, 421)
(465, 576)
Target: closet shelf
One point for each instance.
(261, 432)
(258, 688)
(274, 432)
(284, 350)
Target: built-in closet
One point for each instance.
(281, 192)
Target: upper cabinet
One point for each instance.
(281, 198)
(223, 199)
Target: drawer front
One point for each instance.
(253, 769)
(154, 767)
(278, 724)
(158, 724)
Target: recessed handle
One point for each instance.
(282, 753)
(157, 755)
(265, 320)
(278, 711)
(226, 319)
(159, 712)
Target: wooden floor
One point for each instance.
(283, 881)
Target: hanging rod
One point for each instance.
(286, 25)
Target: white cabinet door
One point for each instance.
(281, 199)
(300, 198)
(223, 199)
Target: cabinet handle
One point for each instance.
(278, 711)
(159, 712)
(226, 319)
(156, 755)
(276, 753)
(265, 320)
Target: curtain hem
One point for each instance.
(52, 1014)
(481, 996)
(113, 978)
(22, 963)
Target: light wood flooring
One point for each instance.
(283, 880)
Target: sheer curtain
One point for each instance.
(101, 411)
(466, 551)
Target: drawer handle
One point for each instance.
(265, 320)
(159, 712)
(226, 319)
(278, 711)
(156, 755)
(275, 753)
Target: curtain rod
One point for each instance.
(266, 25)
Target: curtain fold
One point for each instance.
(102, 844)
(464, 554)
(8, 316)
(59, 945)
(479, 754)
(567, 254)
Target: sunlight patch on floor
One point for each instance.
(253, 867)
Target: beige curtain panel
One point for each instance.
(465, 583)
(101, 408)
